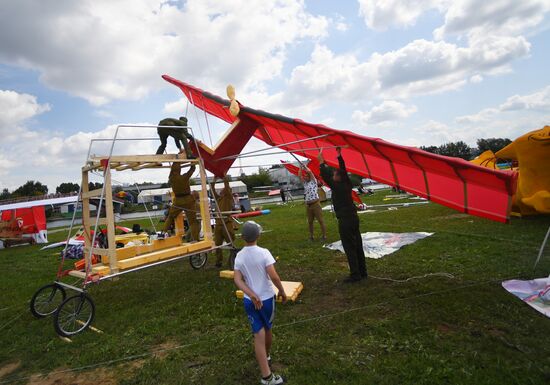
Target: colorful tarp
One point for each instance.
(376, 245)
(452, 182)
(535, 293)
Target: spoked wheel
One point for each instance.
(198, 261)
(74, 315)
(47, 299)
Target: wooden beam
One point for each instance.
(152, 257)
(120, 159)
(77, 274)
(91, 194)
(100, 269)
(85, 213)
(292, 290)
(204, 206)
(98, 251)
(110, 219)
(126, 166)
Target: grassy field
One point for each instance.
(174, 325)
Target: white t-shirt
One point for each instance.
(252, 261)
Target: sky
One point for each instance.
(413, 72)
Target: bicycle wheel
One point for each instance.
(74, 315)
(198, 261)
(47, 299)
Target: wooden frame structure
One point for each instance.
(114, 260)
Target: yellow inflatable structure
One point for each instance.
(486, 159)
(532, 152)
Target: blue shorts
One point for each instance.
(262, 318)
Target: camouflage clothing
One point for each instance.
(178, 131)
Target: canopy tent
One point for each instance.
(452, 182)
(33, 221)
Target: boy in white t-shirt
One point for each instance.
(254, 272)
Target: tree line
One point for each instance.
(33, 188)
(461, 150)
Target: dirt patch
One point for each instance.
(9, 368)
(102, 376)
(162, 350)
(445, 328)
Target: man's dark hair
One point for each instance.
(183, 119)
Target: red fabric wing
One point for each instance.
(452, 182)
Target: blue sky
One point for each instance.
(414, 72)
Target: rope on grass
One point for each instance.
(446, 275)
(12, 321)
(20, 314)
(288, 324)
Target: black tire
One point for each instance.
(74, 315)
(47, 299)
(198, 261)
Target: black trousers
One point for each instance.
(348, 226)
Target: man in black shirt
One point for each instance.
(346, 213)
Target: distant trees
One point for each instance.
(262, 178)
(5, 194)
(67, 188)
(461, 150)
(30, 188)
(493, 144)
(94, 185)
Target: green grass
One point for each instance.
(185, 327)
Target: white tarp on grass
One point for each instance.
(535, 293)
(376, 245)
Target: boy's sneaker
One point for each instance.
(274, 379)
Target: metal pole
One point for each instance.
(541, 249)
(298, 160)
(277, 146)
(285, 152)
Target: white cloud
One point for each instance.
(538, 101)
(476, 79)
(482, 116)
(15, 109)
(102, 50)
(386, 112)
(530, 105)
(342, 27)
(53, 159)
(502, 17)
(176, 107)
(421, 67)
(383, 14)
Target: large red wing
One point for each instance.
(452, 182)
